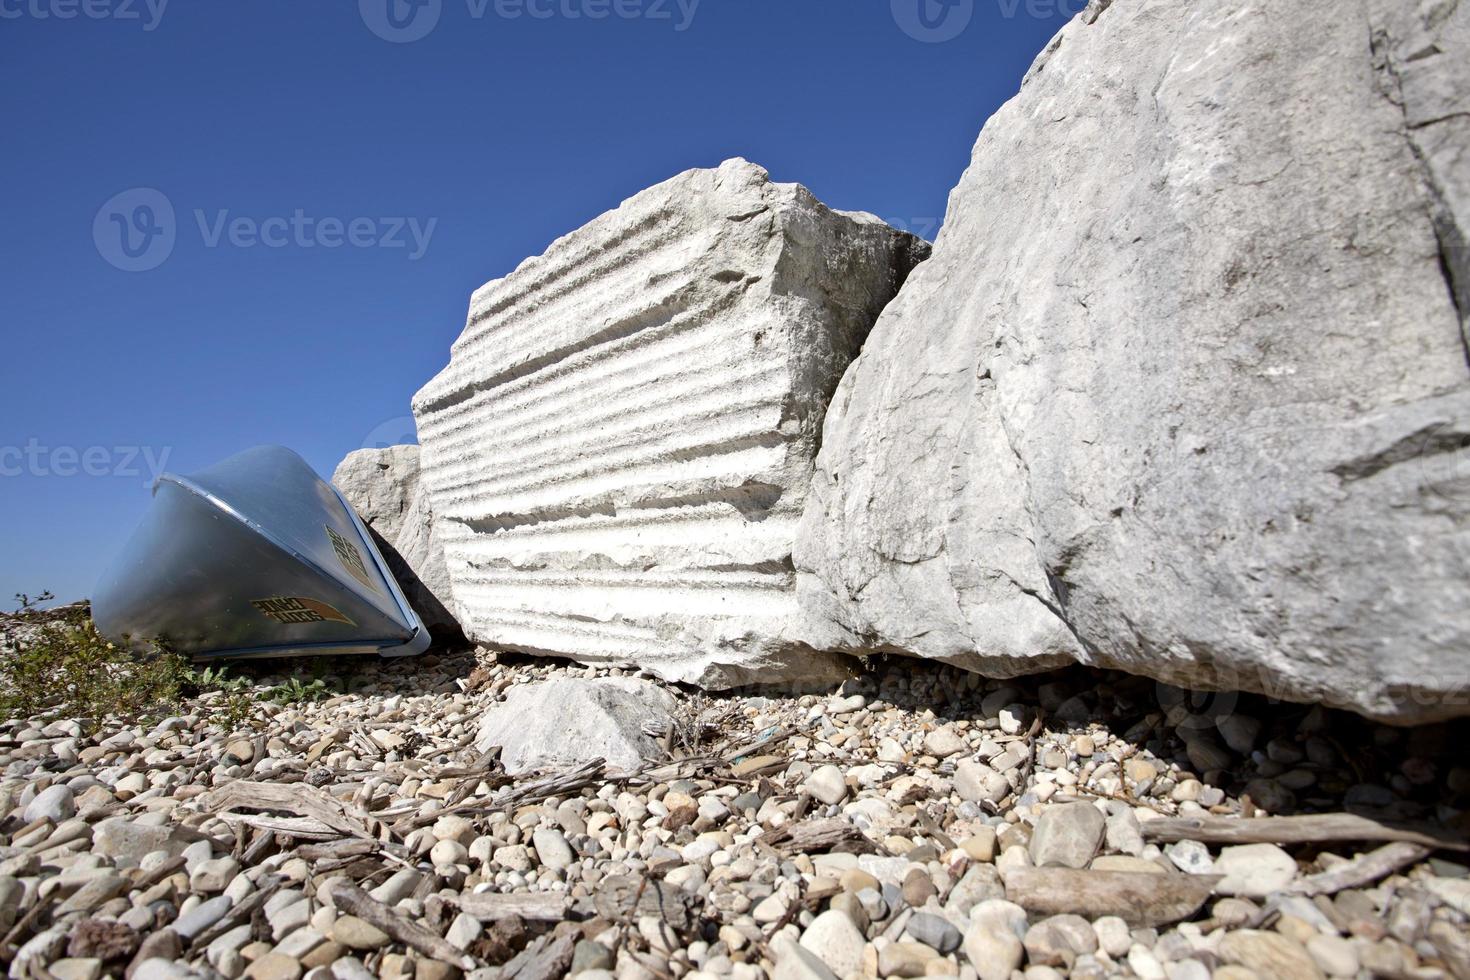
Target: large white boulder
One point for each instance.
(383, 486)
(620, 449)
(1183, 389)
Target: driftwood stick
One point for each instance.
(1310, 829)
(299, 800)
(1365, 869)
(303, 828)
(820, 836)
(1138, 897)
(352, 899)
(490, 907)
(345, 847)
(548, 958)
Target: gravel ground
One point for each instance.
(917, 822)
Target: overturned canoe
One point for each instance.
(256, 556)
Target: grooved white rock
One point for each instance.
(1183, 389)
(620, 448)
(383, 486)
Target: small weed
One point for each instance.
(213, 678)
(295, 692)
(56, 659)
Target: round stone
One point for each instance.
(354, 933)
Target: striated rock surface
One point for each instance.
(383, 487)
(1184, 388)
(620, 448)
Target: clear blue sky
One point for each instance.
(507, 124)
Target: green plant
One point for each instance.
(234, 710)
(56, 659)
(293, 691)
(213, 678)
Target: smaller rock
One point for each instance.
(1067, 835)
(978, 783)
(935, 932)
(1059, 940)
(1254, 870)
(1124, 834)
(795, 962)
(54, 803)
(354, 933)
(835, 939)
(1113, 936)
(202, 916)
(274, 966)
(981, 847)
(918, 888)
(944, 742)
(1191, 857)
(1269, 954)
(213, 875)
(75, 969)
(826, 784)
(1239, 732)
(1333, 955)
(448, 853)
(589, 955)
(552, 848)
(1013, 719)
(994, 951)
(905, 960)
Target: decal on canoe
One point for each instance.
(289, 611)
(351, 558)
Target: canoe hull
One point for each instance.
(256, 557)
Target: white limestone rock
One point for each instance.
(384, 488)
(620, 448)
(563, 723)
(1183, 390)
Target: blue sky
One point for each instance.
(342, 174)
